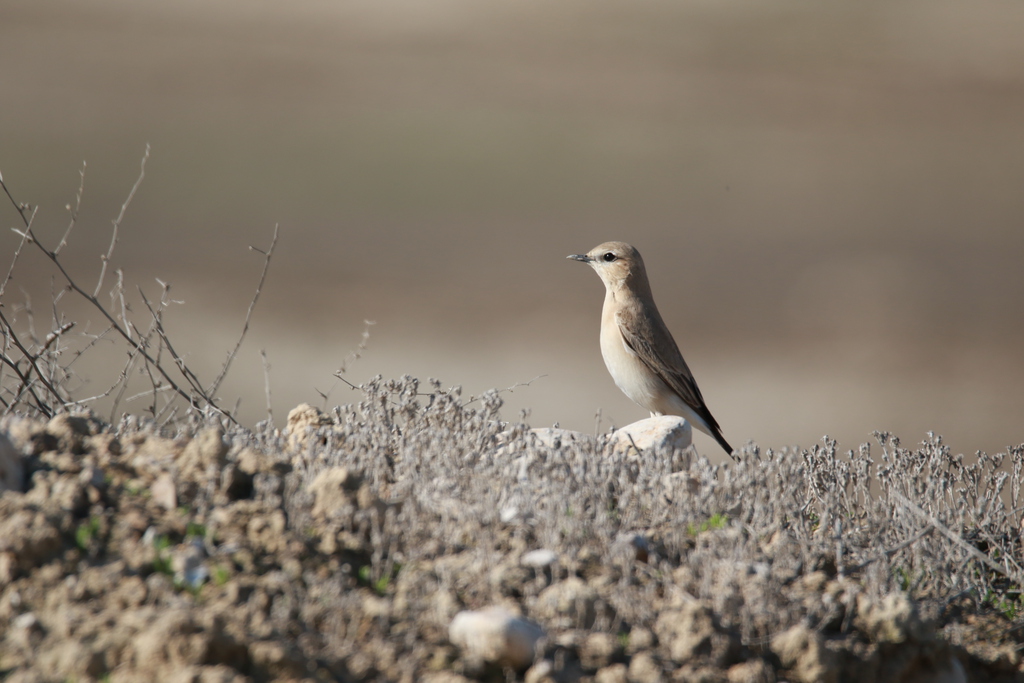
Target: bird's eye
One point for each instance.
(609, 257)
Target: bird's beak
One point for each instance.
(580, 257)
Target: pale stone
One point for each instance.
(665, 432)
(644, 668)
(302, 419)
(893, 619)
(616, 673)
(753, 671)
(693, 630)
(334, 490)
(541, 557)
(803, 652)
(569, 604)
(164, 492)
(495, 635)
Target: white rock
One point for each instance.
(12, 471)
(665, 431)
(508, 514)
(542, 557)
(27, 620)
(495, 635)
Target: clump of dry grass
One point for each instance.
(922, 520)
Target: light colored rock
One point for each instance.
(542, 557)
(893, 619)
(640, 639)
(541, 672)
(28, 620)
(616, 673)
(301, 419)
(334, 490)
(554, 437)
(509, 514)
(12, 470)
(207, 452)
(803, 652)
(568, 604)
(28, 539)
(68, 493)
(495, 635)
(644, 668)
(598, 650)
(164, 492)
(668, 432)
(753, 671)
(691, 631)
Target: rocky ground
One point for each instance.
(416, 537)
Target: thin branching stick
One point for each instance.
(105, 259)
(212, 391)
(350, 358)
(133, 356)
(74, 211)
(185, 371)
(92, 298)
(26, 378)
(119, 293)
(17, 252)
(25, 388)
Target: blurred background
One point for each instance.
(829, 196)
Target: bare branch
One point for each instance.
(74, 211)
(350, 358)
(117, 224)
(511, 389)
(17, 252)
(248, 316)
(358, 353)
(21, 208)
(25, 378)
(185, 371)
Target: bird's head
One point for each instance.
(618, 264)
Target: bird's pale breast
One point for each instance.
(635, 379)
(627, 370)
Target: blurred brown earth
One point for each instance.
(829, 196)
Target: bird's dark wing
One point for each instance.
(670, 367)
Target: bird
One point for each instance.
(638, 349)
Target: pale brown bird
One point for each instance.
(638, 349)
